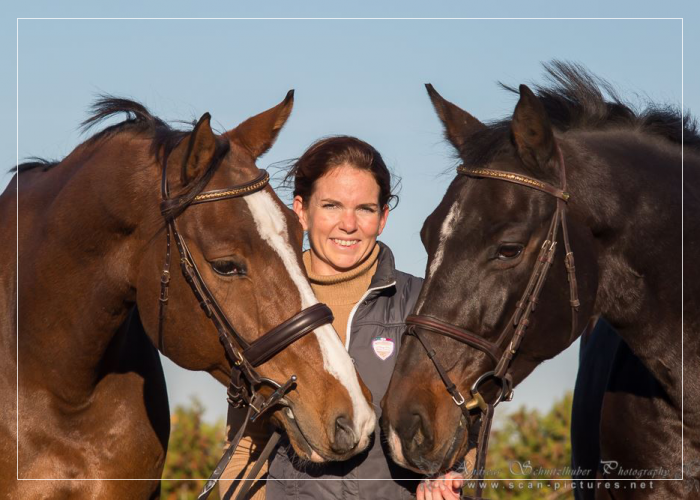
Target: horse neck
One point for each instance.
(80, 248)
(626, 187)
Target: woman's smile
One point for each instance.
(344, 243)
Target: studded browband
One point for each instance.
(520, 179)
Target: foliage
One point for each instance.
(526, 446)
(194, 449)
(532, 449)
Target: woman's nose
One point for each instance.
(348, 221)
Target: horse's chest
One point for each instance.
(115, 436)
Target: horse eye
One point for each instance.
(227, 268)
(509, 251)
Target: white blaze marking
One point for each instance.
(446, 229)
(270, 222)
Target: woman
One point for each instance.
(342, 192)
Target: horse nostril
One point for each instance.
(344, 439)
(418, 433)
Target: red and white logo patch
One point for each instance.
(383, 347)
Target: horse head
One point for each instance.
(483, 242)
(246, 247)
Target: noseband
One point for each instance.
(246, 382)
(515, 329)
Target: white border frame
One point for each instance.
(366, 19)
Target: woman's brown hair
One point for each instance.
(331, 152)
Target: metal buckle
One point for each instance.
(505, 388)
(239, 357)
(275, 397)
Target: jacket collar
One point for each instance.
(386, 268)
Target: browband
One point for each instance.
(260, 181)
(520, 179)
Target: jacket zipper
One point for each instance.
(354, 310)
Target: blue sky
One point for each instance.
(360, 77)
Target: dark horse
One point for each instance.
(83, 398)
(624, 178)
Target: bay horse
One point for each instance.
(83, 397)
(574, 169)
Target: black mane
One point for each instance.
(138, 119)
(576, 99)
(163, 140)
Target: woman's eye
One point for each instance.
(368, 210)
(227, 268)
(329, 205)
(509, 251)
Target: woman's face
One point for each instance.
(343, 219)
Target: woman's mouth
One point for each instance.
(345, 243)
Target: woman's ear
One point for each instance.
(383, 218)
(298, 207)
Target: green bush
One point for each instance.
(533, 450)
(193, 452)
(527, 447)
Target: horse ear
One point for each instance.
(258, 133)
(195, 153)
(531, 129)
(459, 124)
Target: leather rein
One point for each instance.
(476, 406)
(246, 382)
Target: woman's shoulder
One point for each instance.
(408, 281)
(408, 288)
(386, 270)
(405, 287)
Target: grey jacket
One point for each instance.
(375, 327)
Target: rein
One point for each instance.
(246, 382)
(500, 358)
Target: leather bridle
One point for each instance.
(246, 382)
(476, 406)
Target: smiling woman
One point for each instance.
(342, 192)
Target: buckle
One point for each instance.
(275, 397)
(506, 390)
